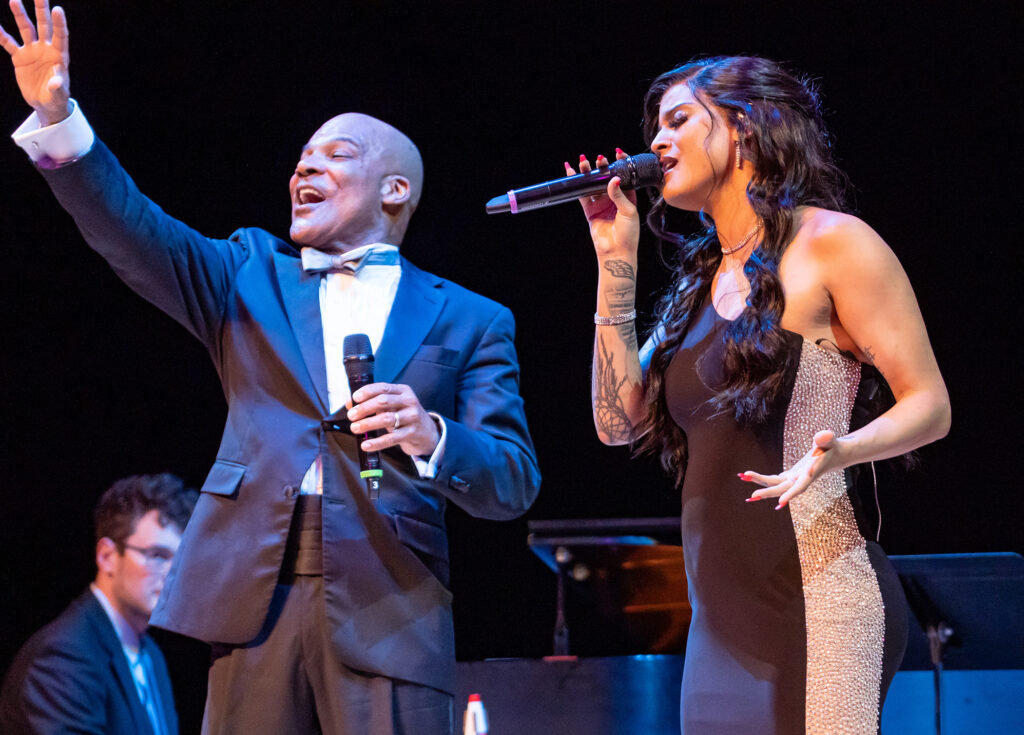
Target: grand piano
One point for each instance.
(617, 639)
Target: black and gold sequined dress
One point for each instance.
(799, 622)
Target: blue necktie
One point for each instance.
(146, 681)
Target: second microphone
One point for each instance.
(358, 359)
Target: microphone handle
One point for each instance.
(560, 190)
(370, 468)
(573, 187)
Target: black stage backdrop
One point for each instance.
(208, 104)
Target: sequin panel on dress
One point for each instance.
(843, 605)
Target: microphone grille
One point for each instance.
(357, 345)
(644, 169)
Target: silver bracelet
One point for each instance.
(610, 321)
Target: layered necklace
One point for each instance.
(744, 240)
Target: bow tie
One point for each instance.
(317, 261)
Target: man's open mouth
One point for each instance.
(308, 195)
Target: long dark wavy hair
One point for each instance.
(782, 135)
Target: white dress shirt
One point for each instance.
(358, 303)
(61, 142)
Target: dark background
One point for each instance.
(208, 104)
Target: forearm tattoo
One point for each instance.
(621, 297)
(627, 333)
(620, 269)
(609, 410)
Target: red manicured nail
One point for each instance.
(743, 476)
(818, 451)
(781, 505)
(619, 151)
(582, 158)
(752, 500)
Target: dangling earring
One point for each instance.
(739, 158)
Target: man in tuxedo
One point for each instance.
(94, 669)
(327, 604)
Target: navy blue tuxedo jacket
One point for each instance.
(72, 677)
(257, 312)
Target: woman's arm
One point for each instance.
(875, 305)
(617, 381)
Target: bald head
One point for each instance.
(358, 181)
(394, 152)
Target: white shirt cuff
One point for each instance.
(428, 467)
(59, 143)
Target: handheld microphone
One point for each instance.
(358, 359)
(643, 169)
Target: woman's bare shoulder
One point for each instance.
(837, 239)
(816, 225)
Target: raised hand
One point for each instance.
(613, 218)
(617, 378)
(41, 61)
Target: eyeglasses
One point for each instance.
(157, 557)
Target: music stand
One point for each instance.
(970, 602)
(632, 568)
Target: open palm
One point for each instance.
(41, 60)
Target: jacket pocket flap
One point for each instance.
(224, 478)
(437, 355)
(423, 537)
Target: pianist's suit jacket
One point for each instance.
(72, 677)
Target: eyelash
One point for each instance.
(676, 122)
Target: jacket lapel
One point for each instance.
(418, 303)
(301, 294)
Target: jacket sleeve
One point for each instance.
(490, 467)
(177, 269)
